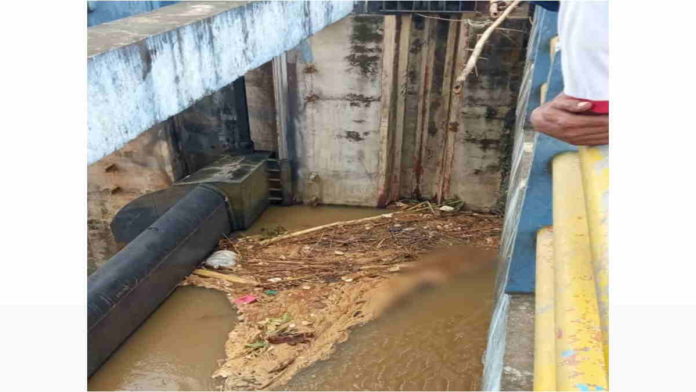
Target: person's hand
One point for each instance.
(567, 119)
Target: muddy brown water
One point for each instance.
(431, 340)
(177, 347)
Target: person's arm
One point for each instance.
(572, 121)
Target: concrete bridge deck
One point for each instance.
(145, 68)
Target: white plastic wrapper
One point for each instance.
(222, 258)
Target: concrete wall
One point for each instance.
(169, 151)
(334, 87)
(486, 116)
(458, 145)
(426, 113)
(146, 164)
(261, 107)
(215, 124)
(450, 146)
(336, 84)
(146, 68)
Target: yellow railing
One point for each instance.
(571, 334)
(594, 163)
(544, 322)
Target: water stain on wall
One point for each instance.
(365, 39)
(354, 136)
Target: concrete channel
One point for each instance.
(212, 121)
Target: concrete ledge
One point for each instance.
(146, 68)
(518, 361)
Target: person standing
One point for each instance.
(579, 115)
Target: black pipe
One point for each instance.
(133, 283)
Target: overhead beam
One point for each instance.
(146, 68)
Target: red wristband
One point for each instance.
(599, 107)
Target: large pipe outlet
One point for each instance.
(123, 293)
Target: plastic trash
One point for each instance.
(222, 258)
(271, 292)
(446, 208)
(247, 299)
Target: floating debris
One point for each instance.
(291, 338)
(324, 289)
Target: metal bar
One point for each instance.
(580, 363)
(544, 320)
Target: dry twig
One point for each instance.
(228, 277)
(471, 62)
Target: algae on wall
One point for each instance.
(335, 83)
(487, 115)
(334, 87)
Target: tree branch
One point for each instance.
(471, 63)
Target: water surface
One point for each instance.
(432, 340)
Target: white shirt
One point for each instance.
(583, 32)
